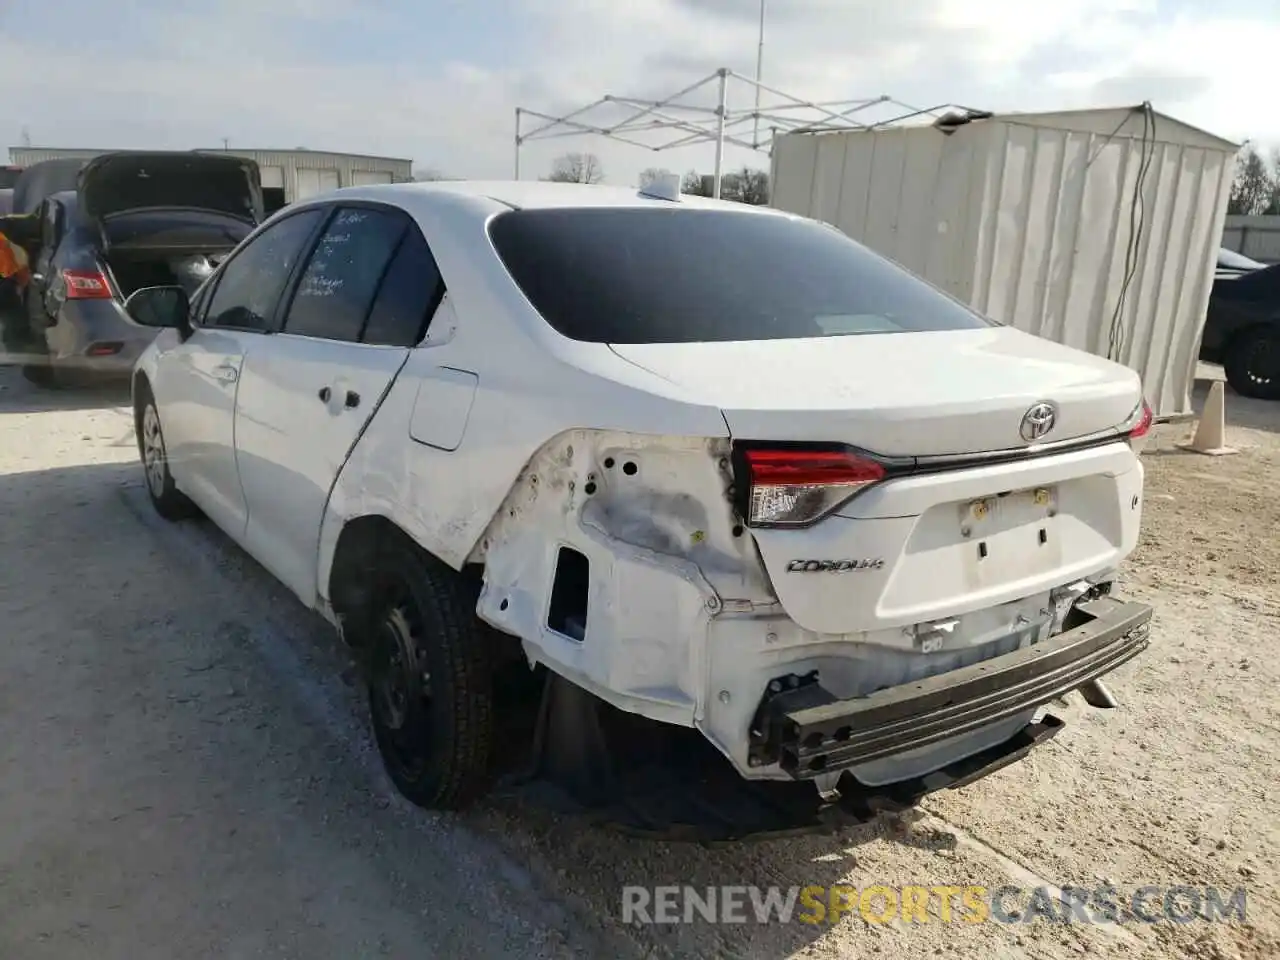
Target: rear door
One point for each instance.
(306, 394)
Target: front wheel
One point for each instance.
(169, 501)
(1252, 364)
(430, 680)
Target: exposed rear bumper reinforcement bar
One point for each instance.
(809, 731)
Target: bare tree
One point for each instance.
(696, 185)
(427, 174)
(651, 175)
(1273, 201)
(1255, 185)
(746, 186)
(577, 168)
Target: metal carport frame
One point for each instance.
(697, 123)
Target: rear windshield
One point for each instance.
(645, 275)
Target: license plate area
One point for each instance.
(1008, 536)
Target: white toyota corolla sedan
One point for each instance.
(703, 467)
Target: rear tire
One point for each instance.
(1252, 363)
(430, 679)
(170, 502)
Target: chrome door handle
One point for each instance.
(226, 373)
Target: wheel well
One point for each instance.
(352, 590)
(359, 544)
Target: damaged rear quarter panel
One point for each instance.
(650, 573)
(652, 517)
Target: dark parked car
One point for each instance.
(96, 231)
(1242, 327)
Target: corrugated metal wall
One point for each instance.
(1257, 237)
(1028, 220)
(301, 173)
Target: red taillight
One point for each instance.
(1142, 424)
(1136, 428)
(86, 285)
(796, 487)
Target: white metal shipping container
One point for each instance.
(1095, 228)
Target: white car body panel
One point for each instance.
(497, 441)
(195, 383)
(291, 444)
(957, 397)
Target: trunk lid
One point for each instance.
(902, 394)
(115, 183)
(926, 545)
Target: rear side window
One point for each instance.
(340, 280)
(663, 275)
(410, 293)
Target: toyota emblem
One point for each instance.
(1038, 421)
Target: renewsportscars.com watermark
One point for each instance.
(931, 904)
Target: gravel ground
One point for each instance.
(185, 771)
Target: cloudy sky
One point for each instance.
(439, 80)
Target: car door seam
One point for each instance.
(337, 475)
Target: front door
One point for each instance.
(198, 380)
(362, 300)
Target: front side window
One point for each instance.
(251, 281)
(670, 275)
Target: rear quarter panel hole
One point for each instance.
(570, 589)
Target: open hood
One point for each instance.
(115, 183)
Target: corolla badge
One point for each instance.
(835, 566)
(1038, 421)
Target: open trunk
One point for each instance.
(127, 181)
(132, 271)
(162, 247)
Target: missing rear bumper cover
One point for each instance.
(809, 731)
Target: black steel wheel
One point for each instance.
(430, 682)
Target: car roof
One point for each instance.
(532, 194)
